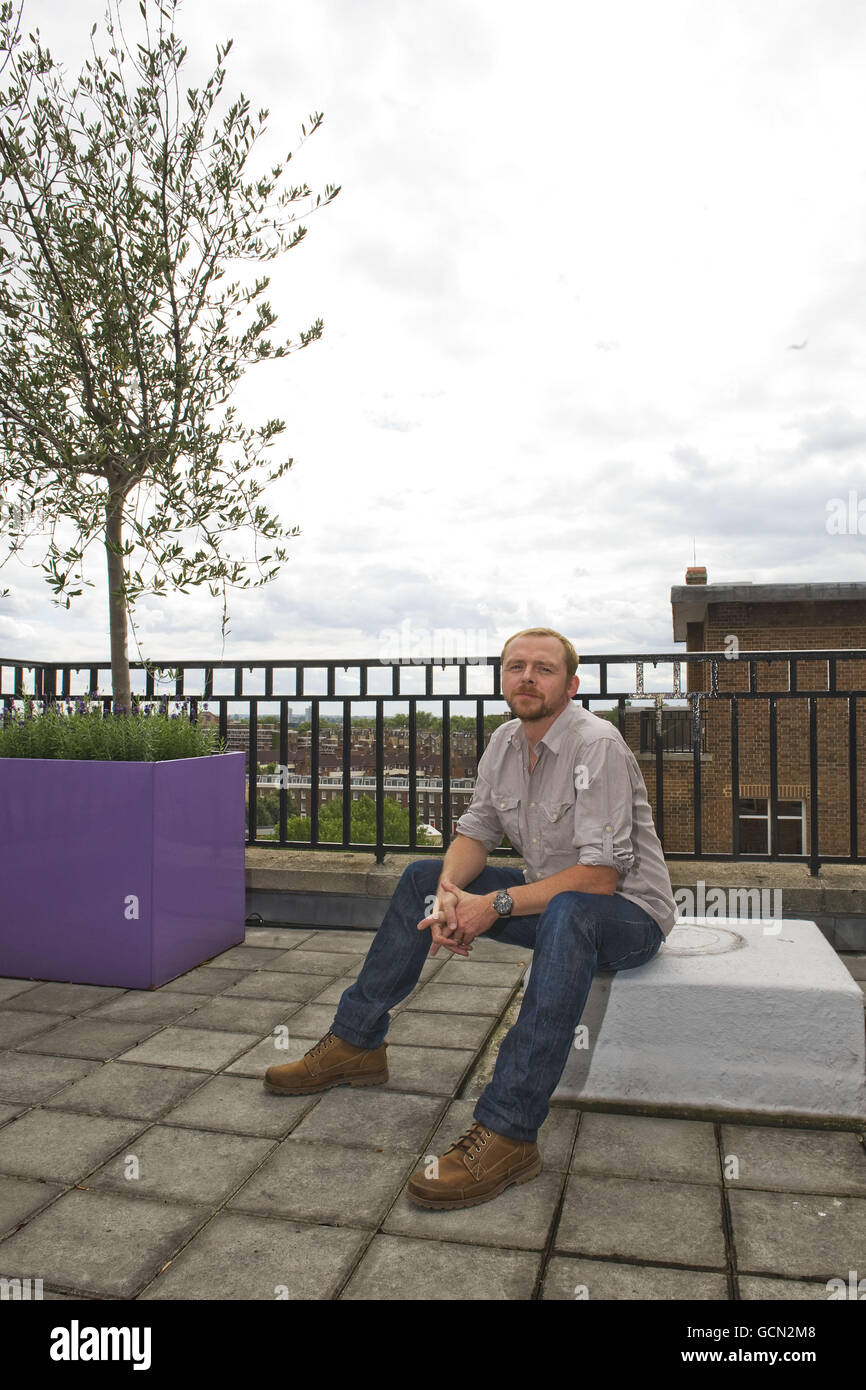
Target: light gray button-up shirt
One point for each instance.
(584, 802)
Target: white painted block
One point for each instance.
(737, 1015)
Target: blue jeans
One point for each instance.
(575, 935)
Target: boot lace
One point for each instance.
(474, 1139)
(320, 1045)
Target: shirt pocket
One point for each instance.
(555, 824)
(508, 810)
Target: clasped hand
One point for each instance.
(457, 918)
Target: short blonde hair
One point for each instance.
(572, 659)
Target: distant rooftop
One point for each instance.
(689, 601)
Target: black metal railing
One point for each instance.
(616, 681)
(678, 732)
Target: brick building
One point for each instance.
(238, 736)
(761, 617)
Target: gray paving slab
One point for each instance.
(351, 941)
(150, 1004)
(415, 1029)
(127, 1089)
(318, 962)
(10, 987)
(239, 1257)
(371, 1117)
(333, 993)
(50, 1295)
(321, 1181)
(397, 1268)
(794, 1160)
(797, 1234)
(18, 1025)
(568, 1277)
(755, 1290)
(487, 948)
(57, 1146)
(182, 1165)
(244, 958)
(31, 1078)
(240, 1105)
(519, 1218)
(240, 1015)
(99, 1038)
(99, 1244)
(432, 966)
(640, 1194)
(311, 1022)
(436, 1070)
(461, 970)
(57, 998)
(203, 980)
(555, 1138)
(269, 1052)
(21, 1198)
(628, 1220)
(277, 984)
(460, 999)
(202, 1049)
(637, 1146)
(284, 937)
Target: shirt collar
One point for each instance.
(555, 734)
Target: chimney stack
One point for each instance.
(696, 574)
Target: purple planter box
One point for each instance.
(115, 873)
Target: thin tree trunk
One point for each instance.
(120, 683)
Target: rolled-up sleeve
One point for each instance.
(480, 820)
(603, 807)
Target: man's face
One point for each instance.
(534, 679)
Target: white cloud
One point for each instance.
(572, 248)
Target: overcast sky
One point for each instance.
(574, 246)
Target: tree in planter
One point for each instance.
(125, 201)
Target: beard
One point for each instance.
(535, 707)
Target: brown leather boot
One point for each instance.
(332, 1062)
(476, 1168)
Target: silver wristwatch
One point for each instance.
(504, 903)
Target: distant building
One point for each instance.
(238, 739)
(396, 788)
(759, 617)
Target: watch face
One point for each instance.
(503, 902)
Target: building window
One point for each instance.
(754, 818)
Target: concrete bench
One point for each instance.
(756, 1020)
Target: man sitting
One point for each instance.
(566, 789)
